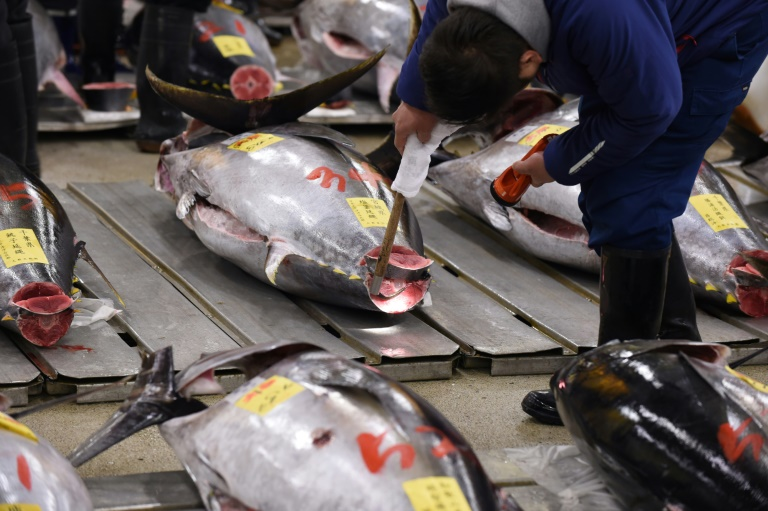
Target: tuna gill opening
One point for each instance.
(224, 221)
(555, 226)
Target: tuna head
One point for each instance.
(296, 207)
(333, 34)
(38, 250)
(662, 419)
(547, 221)
(321, 418)
(725, 253)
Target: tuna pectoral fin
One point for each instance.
(235, 116)
(278, 251)
(153, 400)
(87, 258)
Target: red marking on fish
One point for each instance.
(327, 178)
(368, 176)
(208, 28)
(369, 448)
(25, 475)
(255, 392)
(16, 191)
(732, 447)
(444, 448)
(239, 27)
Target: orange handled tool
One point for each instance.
(509, 187)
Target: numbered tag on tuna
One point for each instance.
(8, 424)
(19, 246)
(232, 45)
(253, 142)
(717, 212)
(263, 398)
(760, 387)
(530, 138)
(20, 507)
(436, 493)
(370, 212)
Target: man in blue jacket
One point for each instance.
(658, 80)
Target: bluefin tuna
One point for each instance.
(34, 475)
(723, 249)
(38, 250)
(230, 55)
(308, 430)
(334, 34)
(668, 424)
(291, 203)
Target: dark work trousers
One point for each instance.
(632, 207)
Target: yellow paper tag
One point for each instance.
(254, 142)
(8, 424)
(268, 394)
(761, 387)
(19, 246)
(370, 212)
(541, 132)
(436, 493)
(20, 507)
(717, 212)
(232, 45)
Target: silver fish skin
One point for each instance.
(33, 473)
(557, 235)
(308, 430)
(725, 266)
(334, 34)
(280, 209)
(664, 420)
(38, 250)
(231, 55)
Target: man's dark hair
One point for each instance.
(470, 65)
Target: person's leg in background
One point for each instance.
(18, 85)
(99, 24)
(164, 47)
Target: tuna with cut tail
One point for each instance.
(309, 430)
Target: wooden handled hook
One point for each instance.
(386, 245)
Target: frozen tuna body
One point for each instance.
(34, 475)
(664, 420)
(297, 208)
(308, 430)
(38, 250)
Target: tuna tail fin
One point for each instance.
(236, 116)
(85, 256)
(153, 400)
(415, 25)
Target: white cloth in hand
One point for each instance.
(415, 163)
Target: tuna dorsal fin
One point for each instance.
(85, 256)
(235, 116)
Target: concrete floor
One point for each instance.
(485, 409)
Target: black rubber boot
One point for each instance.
(13, 128)
(164, 47)
(632, 288)
(541, 405)
(25, 46)
(678, 319)
(99, 22)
